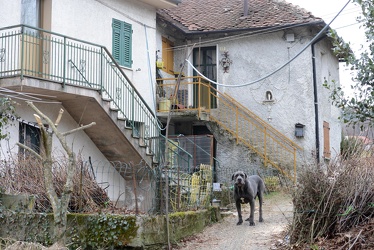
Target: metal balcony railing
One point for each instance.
(195, 95)
(26, 51)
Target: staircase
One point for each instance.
(89, 83)
(270, 145)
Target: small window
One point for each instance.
(122, 42)
(168, 56)
(326, 140)
(29, 135)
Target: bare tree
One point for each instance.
(59, 204)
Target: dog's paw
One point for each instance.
(247, 219)
(239, 223)
(261, 220)
(252, 224)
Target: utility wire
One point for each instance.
(282, 66)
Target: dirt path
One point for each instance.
(225, 235)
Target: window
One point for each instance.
(326, 140)
(168, 55)
(122, 42)
(29, 135)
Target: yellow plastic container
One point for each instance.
(164, 105)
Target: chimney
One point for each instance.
(246, 7)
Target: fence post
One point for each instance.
(265, 153)
(101, 69)
(294, 165)
(135, 191)
(22, 50)
(64, 65)
(237, 124)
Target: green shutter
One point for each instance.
(122, 42)
(127, 42)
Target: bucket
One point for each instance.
(164, 105)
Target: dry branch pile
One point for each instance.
(26, 177)
(333, 202)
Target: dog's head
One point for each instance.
(239, 177)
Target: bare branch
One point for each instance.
(59, 117)
(29, 150)
(78, 129)
(38, 120)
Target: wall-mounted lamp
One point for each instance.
(225, 62)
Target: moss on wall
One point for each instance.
(101, 231)
(181, 224)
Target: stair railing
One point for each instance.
(273, 147)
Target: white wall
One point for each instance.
(92, 21)
(10, 12)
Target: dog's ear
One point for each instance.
(245, 175)
(232, 178)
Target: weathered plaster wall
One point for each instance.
(257, 57)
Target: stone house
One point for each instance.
(252, 74)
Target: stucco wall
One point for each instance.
(92, 21)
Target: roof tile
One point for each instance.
(223, 15)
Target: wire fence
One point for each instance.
(141, 189)
(108, 186)
(129, 187)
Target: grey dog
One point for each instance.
(246, 190)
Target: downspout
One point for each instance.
(245, 7)
(315, 89)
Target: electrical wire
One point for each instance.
(282, 66)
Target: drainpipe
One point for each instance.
(316, 98)
(245, 13)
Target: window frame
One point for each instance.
(29, 133)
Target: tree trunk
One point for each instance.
(59, 204)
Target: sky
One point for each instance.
(345, 24)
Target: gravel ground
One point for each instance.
(225, 235)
